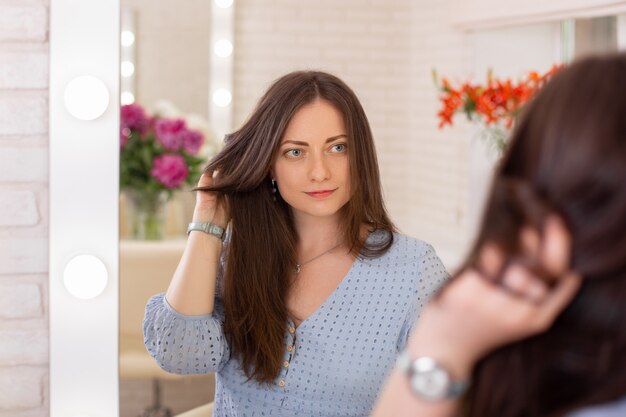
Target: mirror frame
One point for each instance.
(84, 193)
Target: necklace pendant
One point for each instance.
(298, 268)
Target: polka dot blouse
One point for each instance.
(334, 363)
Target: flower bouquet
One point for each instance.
(496, 105)
(157, 157)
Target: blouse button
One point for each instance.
(286, 364)
(281, 383)
(289, 348)
(292, 330)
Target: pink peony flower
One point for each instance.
(170, 170)
(170, 133)
(124, 135)
(192, 141)
(134, 117)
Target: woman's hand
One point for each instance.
(209, 206)
(476, 313)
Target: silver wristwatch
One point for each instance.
(205, 227)
(428, 379)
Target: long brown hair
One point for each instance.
(261, 255)
(567, 156)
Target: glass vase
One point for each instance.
(146, 214)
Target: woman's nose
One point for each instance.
(319, 170)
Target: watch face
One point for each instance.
(432, 383)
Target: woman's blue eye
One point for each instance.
(293, 152)
(339, 147)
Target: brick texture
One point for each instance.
(24, 70)
(23, 346)
(20, 301)
(23, 22)
(23, 208)
(21, 388)
(18, 208)
(23, 114)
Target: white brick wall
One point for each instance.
(23, 208)
(25, 21)
(24, 69)
(439, 168)
(21, 389)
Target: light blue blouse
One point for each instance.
(334, 363)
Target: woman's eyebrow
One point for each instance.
(330, 139)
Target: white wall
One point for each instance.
(23, 208)
(172, 52)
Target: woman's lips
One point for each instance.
(321, 194)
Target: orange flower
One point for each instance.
(499, 101)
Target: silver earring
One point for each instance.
(273, 189)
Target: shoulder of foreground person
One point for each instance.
(615, 408)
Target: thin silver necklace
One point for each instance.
(300, 265)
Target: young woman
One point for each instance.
(536, 325)
(304, 307)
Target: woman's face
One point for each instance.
(311, 169)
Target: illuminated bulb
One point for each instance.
(223, 48)
(86, 97)
(85, 276)
(224, 4)
(222, 97)
(127, 69)
(127, 38)
(127, 98)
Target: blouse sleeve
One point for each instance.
(184, 344)
(431, 276)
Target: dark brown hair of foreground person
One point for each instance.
(567, 155)
(261, 255)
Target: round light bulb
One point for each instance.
(223, 48)
(85, 276)
(127, 68)
(127, 98)
(222, 97)
(127, 38)
(86, 97)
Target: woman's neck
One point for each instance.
(317, 233)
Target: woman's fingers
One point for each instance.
(506, 298)
(491, 260)
(531, 242)
(556, 246)
(522, 283)
(206, 179)
(557, 299)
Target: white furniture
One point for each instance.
(146, 268)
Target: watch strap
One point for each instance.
(410, 367)
(206, 227)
